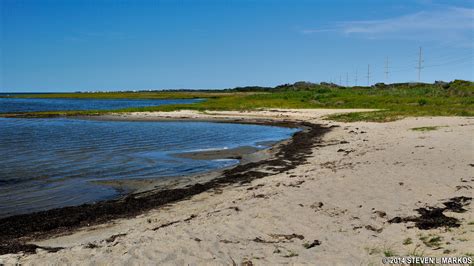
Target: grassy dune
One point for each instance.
(395, 101)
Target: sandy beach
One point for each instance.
(365, 191)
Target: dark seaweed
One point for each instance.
(433, 217)
(15, 230)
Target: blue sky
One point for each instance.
(116, 45)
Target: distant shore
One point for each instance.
(336, 193)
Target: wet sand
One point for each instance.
(351, 195)
(235, 153)
(243, 154)
(16, 230)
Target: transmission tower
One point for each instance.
(420, 62)
(356, 78)
(368, 75)
(386, 69)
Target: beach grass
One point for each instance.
(394, 101)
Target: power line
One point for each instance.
(460, 63)
(448, 53)
(446, 59)
(441, 62)
(454, 61)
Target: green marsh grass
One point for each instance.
(393, 101)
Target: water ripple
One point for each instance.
(48, 163)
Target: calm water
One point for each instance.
(16, 105)
(47, 163)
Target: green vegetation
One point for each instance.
(416, 253)
(407, 241)
(389, 253)
(425, 128)
(431, 241)
(393, 101)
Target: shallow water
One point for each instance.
(48, 163)
(16, 105)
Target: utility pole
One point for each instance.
(420, 61)
(386, 69)
(368, 75)
(356, 78)
(347, 79)
(340, 80)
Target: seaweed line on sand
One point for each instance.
(16, 230)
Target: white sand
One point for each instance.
(390, 169)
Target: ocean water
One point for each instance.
(49, 163)
(16, 105)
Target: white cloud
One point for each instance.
(452, 22)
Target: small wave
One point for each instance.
(225, 160)
(204, 149)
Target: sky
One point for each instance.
(90, 45)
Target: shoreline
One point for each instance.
(361, 192)
(244, 155)
(16, 230)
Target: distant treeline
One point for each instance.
(459, 85)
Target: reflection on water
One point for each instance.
(48, 163)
